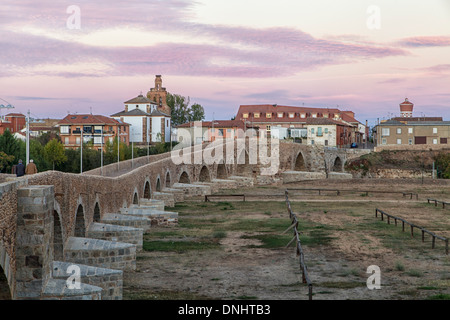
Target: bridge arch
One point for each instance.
(97, 215)
(337, 165)
(204, 175)
(167, 182)
(58, 238)
(299, 162)
(135, 197)
(184, 178)
(80, 222)
(147, 189)
(158, 184)
(5, 291)
(243, 166)
(221, 172)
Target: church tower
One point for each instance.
(158, 94)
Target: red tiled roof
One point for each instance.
(274, 109)
(217, 124)
(15, 115)
(326, 121)
(74, 119)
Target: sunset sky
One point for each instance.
(364, 56)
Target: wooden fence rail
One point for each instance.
(438, 201)
(299, 250)
(208, 196)
(339, 191)
(412, 226)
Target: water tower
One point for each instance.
(406, 109)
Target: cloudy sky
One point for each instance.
(367, 56)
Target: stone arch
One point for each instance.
(168, 179)
(147, 190)
(337, 165)
(204, 175)
(97, 215)
(243, 167)
(135, 198)
(184, 178)
(58, 239)
(80, 224)
(221, 171)
(158, 184)
(300, 164)
(5, 291)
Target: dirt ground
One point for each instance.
(240, 269)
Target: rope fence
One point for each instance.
(299, 250)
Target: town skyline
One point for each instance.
(364, 56)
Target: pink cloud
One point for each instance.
(426, 41)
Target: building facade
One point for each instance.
(409, 131)
(94, 129)
(296, 122)
(14, 122)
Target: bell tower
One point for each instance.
(158, 94)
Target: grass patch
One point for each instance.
(270, 241)
(440, 296)
(161, 295)
(178, 246)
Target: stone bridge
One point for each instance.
(71, 236)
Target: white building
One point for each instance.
(147, 123)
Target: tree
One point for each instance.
(10, 146)
(5, 160)
(196, 113)
(180, 110)
(54, 152)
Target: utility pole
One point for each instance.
(101, 153)
(81, 150)
(28, 138)
(132, 149)
(118, 147)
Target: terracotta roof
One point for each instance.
(411, 119)
(15, 115)
(274, 109)
(73, 119)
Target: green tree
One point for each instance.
(5, 160)
(196, 113)
(181, 112)
(54, 152)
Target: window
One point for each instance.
(302, 115)
(268, 128)
(410, 141)
(228, 130)
(443, 140)
(78, 140)
(326, 142)
(435, 141)
(220, 132)
(66, 140)
(245, 115)
(314, 115)
(312, 130)
(383, 141)
(291, 114)
(385, 131)
(319, 131)
(399, 141)
(326, 130)
(434, 130)
(312, 141)
(256, 115)
(97, 140)
(410, 130)
(64, 129)
(268, 115)
(399, 130)
(280, 114)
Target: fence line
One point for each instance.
(412, 226)
(299, 250)
(438, 201)
(208, 196)
(338, 191)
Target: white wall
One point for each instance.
(135, 128)
(156, 128)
